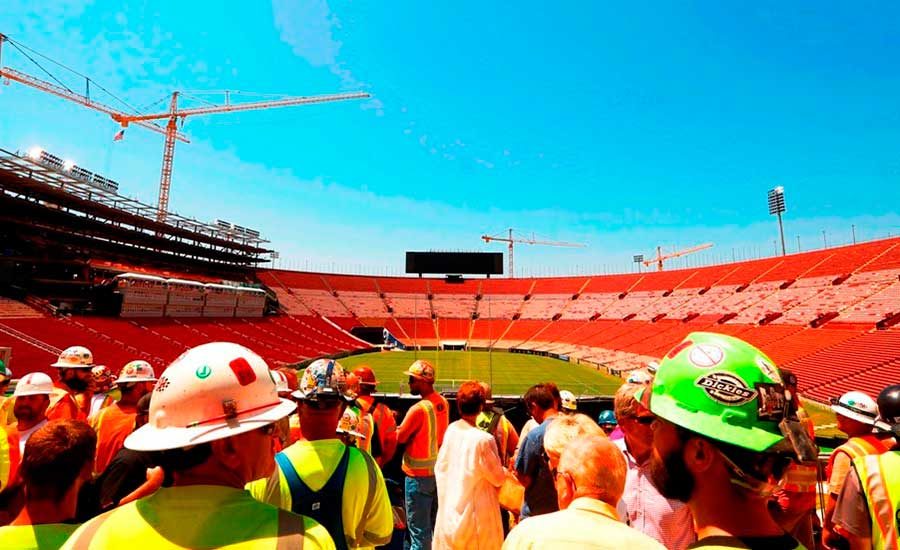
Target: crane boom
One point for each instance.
(59, 91)
(660, 257)
(171, 116)
(233, 108)
(510, 240)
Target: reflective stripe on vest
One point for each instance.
(425, 462)
(879, 476)
(800, 478)
(9, 457)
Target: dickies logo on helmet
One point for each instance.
(726, 388)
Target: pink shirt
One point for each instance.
(642, 507)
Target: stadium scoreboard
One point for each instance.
(455, 263)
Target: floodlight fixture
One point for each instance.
(67, 165)
(777, 208)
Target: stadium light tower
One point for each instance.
(776, 207)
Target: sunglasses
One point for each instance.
(645, 420)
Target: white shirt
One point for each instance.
(468, 475)
(24, 435)
(667, 520)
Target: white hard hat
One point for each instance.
(568, 400)
(349, 423)
(75, 357)
(856, 405)
(210, 392)
(34, 383)
(324, 378)
(136, 371)
(281, 381)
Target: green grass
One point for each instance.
(509, 373)
(513, 373)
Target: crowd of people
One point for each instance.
(709, 448)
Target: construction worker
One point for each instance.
(868, 508)
(422, 431)
(31, 398)
(71, 395)
(726, 427)
(213, 413)
(568, 403)
(855, 413)
(610, 426)
(103, 381)
(383, 442)
(56, 465)
(322, 477)
(115, 422)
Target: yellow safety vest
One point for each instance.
(879, 476)
(200, 516)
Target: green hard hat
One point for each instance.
(722, 388)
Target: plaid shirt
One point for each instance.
(642, 507)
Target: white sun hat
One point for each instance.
(856, 405)
(136, 371)
(210, 392)
(34, 383)
(75, 357)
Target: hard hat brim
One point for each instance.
(61, 365)
(26, 393)
(151, 438)
(129, 380)
(419, 376)
(853, 415)
(351, 432)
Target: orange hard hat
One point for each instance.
(366, 375)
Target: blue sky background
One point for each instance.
(622, 127)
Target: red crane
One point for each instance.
(660, 257)
(171, 116)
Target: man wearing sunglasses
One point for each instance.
(212, 415)
(642, 506)
(726, 429)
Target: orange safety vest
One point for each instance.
(9, 456)
(63, 406)
(855, 447)
(383, 426)
(112, 424)
(422, 449)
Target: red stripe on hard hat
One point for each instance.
(678, 349)
(243, 371)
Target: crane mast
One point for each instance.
(660, 257)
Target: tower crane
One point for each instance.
(171, 116)
(511, 240)
(660, 257)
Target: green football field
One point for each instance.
(513, 373)
(509, 373)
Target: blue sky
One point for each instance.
(621, 127)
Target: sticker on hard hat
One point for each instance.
(768, 369)
(773, 402)
(726, 388)
(203, 372)
(706, 355)
(162, 384)
(243, 371)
